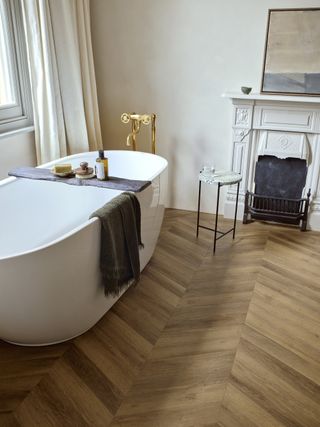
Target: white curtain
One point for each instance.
(63, 81)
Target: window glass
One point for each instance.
(15, 95)
(6, 80)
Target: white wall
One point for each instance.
(176, 58)
(17, 149)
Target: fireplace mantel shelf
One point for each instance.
(272, 98)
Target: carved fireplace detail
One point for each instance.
(281, 126)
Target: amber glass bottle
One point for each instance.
(102, 167)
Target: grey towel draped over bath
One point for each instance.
(120, 241)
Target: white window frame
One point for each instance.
(18, 114)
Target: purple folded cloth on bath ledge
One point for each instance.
(113, 182)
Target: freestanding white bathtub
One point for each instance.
(49, 254)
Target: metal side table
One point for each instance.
(220, 178)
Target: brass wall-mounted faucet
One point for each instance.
(136, 120)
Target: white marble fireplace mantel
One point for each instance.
(284, 126)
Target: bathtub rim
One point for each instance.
(86, 223)
(74, 156)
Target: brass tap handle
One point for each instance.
(125, 118)
(146, 119)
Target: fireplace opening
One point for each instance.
(279, 185)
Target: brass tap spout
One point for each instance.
(136, 120)
(131, 138)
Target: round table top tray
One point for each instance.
(222, 177)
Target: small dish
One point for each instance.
(246, 90)
(62, 174)
(88, 176)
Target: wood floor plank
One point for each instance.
(93, 410)
(268, 382)
(8, 420)
(21, 369)
(241, 411)
(94, 379)
(48, 405)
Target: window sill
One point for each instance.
(16, 132)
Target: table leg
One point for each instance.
(236, 212)
(198, 215)
(216, 222)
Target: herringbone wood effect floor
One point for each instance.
(203, 340)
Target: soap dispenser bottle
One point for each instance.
(102, 167)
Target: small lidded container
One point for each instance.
(84, 172)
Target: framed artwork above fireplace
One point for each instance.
(292, 52)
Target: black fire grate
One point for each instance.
(279, 184)
(267, 208)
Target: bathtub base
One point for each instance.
(78, 334)
(21, 344)
(46, 344)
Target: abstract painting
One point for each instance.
(292, 53)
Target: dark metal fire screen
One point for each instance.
(279, 184)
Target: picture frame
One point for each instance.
(291, 63)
